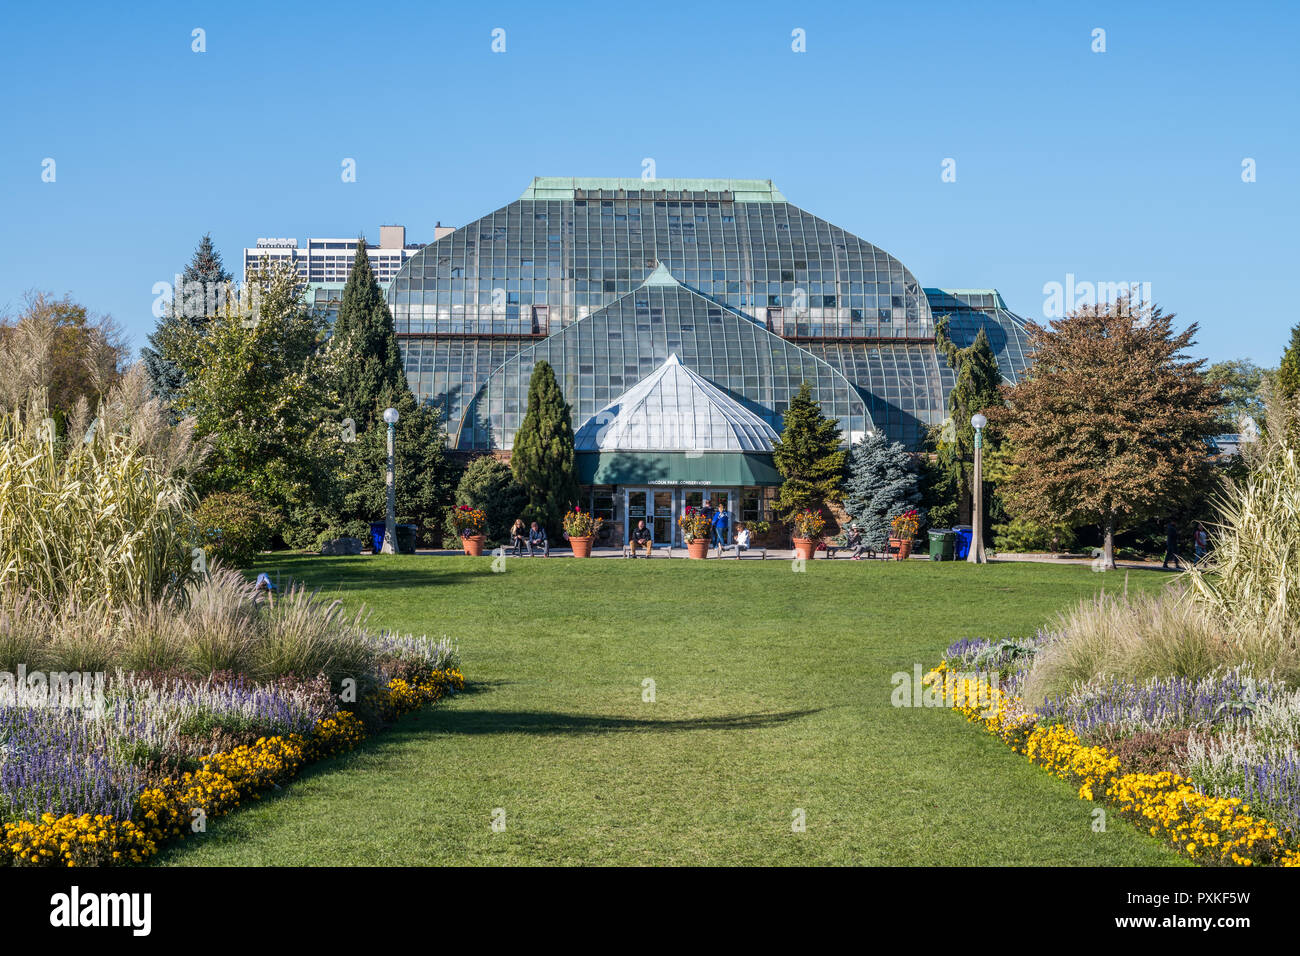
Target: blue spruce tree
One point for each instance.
(883, 482)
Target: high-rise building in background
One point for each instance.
(325, 264)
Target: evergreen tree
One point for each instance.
(490, 484)
(367, 358)
(254, 384)
(367, 377)
(424, 475)
(808, 456)
(542, 458)
(1288, 373)
(977, 389)
(201, 295)
(882, 483)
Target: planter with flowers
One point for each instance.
(697, 529)
(807, 530)
(904, 526)
(470, 524)
(580, 527)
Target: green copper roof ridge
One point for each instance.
(564, 187)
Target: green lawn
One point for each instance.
(773, 693)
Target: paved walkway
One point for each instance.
(786, 554)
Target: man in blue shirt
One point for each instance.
(537, 539)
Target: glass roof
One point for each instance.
(674, 409)
(606, 354)
(473, 301)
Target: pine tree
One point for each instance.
(808, 456)
(1288, 373)
(977, 389)
(882, 483)
(1109, 423)
(368, 377)
(542, 457)
(201, 295)
(364, 345)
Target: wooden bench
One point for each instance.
(627, 550)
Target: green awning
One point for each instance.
(676, 468)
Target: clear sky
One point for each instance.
(1115, 166)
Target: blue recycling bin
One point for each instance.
(964, 538)
(377, 535)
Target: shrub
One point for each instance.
(232, 527)
(1150, 751)
(1022, 534)
(489, 486)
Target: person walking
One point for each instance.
(1171, 546)
(1200, 542)
(719, 522)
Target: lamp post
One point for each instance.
(390, 518)
(976, 553)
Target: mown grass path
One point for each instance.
(772, 694)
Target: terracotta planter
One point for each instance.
(805, 548)
(473, 544)
(698, 549)
(581, 546)
(902, 548)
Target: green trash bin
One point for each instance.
(942, 541)
(406, 537)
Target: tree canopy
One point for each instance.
(1109, 422)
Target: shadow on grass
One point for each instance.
(329, 581)
(546, 723)
(236, 827)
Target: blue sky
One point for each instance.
(1115, 167)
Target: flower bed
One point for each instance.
(1210, 828)
(175, 804)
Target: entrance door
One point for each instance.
(657, 507)
(663, 526)
(724, 498)
(634, 510)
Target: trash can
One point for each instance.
(406, 534)
(941, 544)
(961, 547)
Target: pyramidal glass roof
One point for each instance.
(674, 409)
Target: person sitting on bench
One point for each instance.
(537, 539)
(518, 537)
(642, 538)
(853, 541)
(742, 540)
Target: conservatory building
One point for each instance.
(680, 317)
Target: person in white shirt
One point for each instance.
(742, 540)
